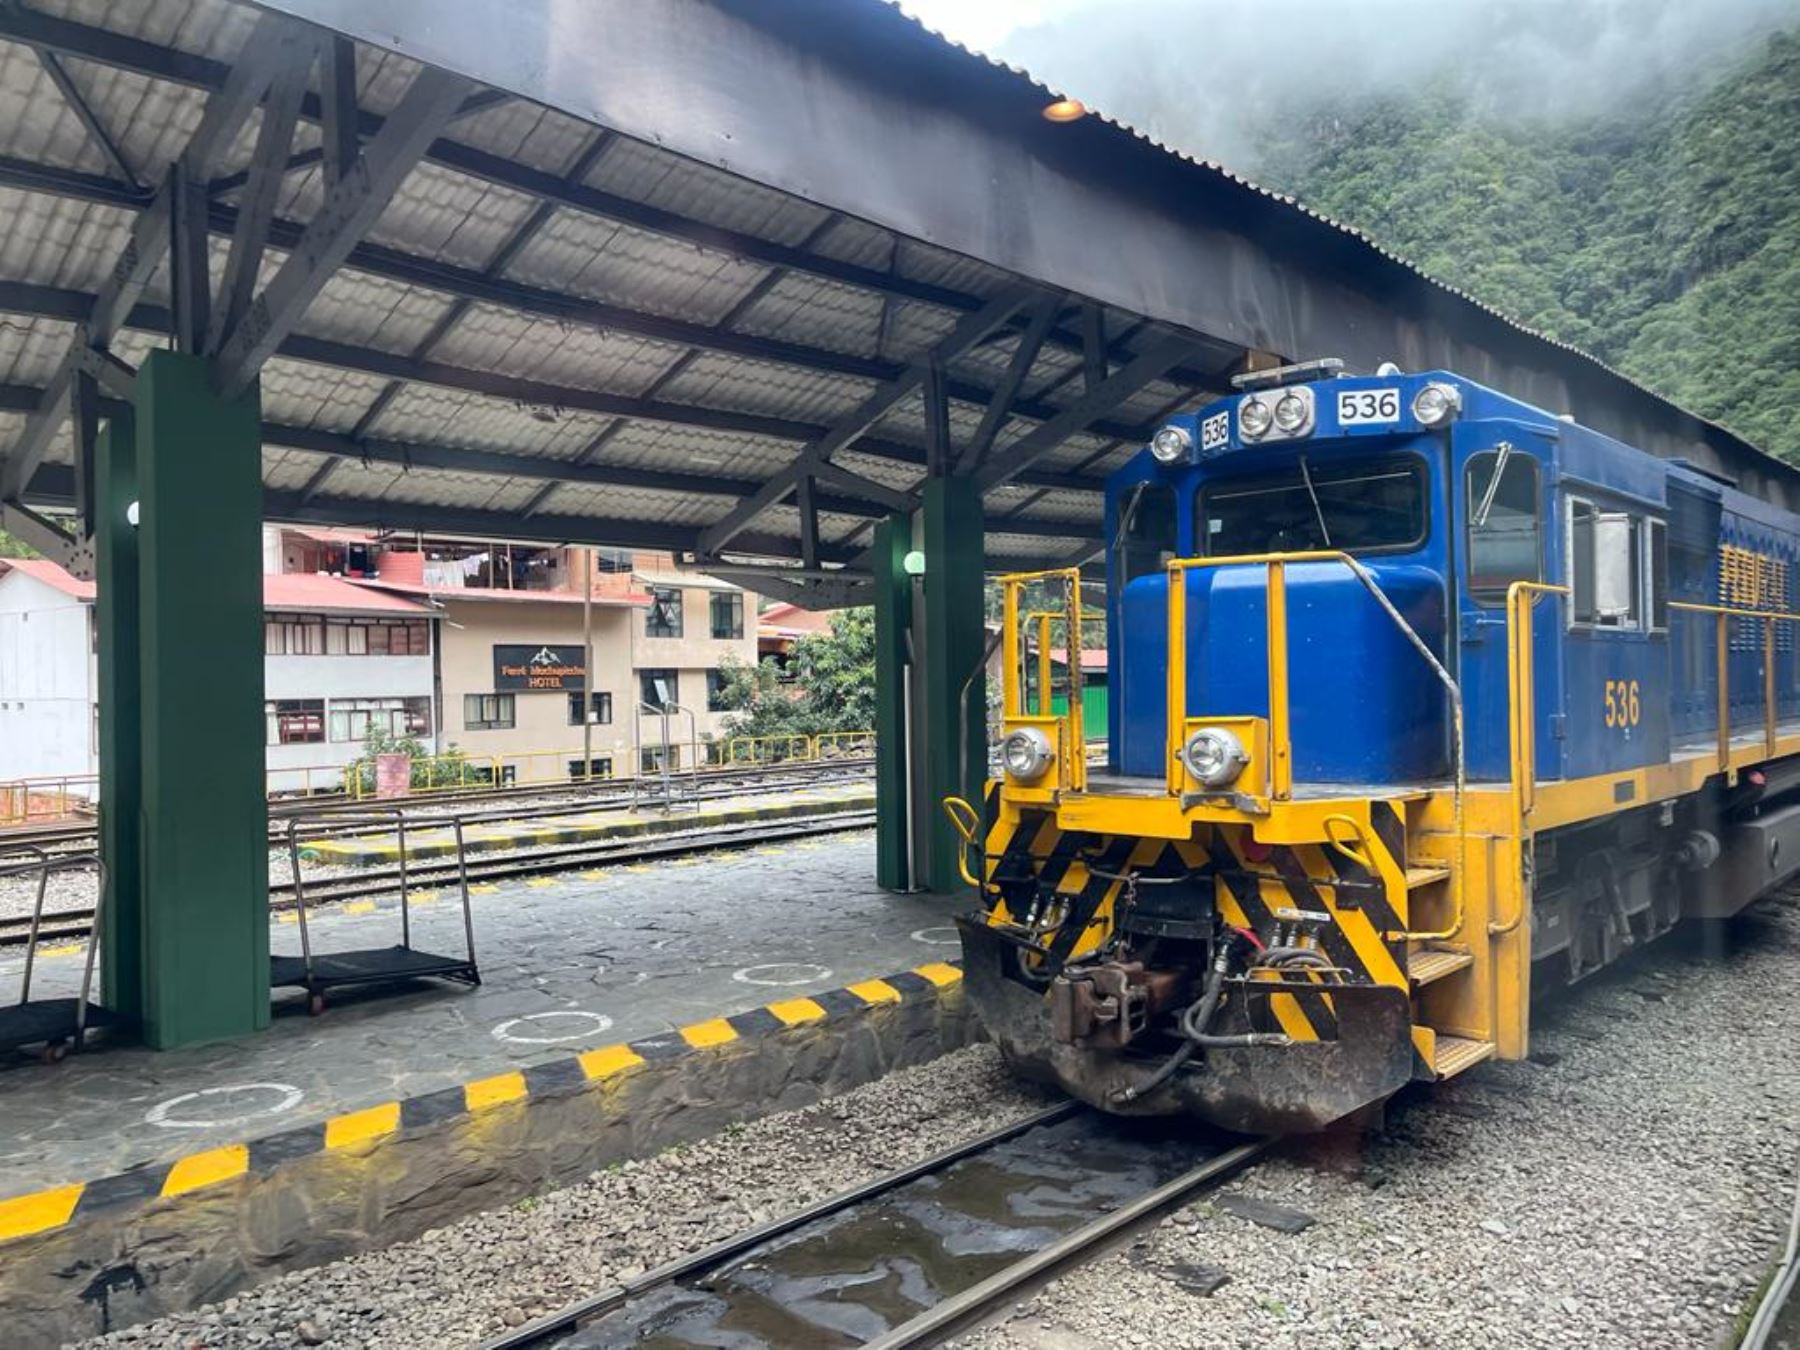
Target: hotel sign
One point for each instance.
(545, 669)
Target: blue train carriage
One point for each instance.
(1422, 697)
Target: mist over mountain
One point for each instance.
(1622, 176)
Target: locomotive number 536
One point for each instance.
(1621, 703)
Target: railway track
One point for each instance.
(508, 801)
(75, 924)
(917, 1255)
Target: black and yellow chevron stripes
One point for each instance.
(1252, 882)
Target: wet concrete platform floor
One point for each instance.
(568, 963)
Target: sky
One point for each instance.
(984, 24)
(1204, 74)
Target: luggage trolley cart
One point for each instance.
(57, 1025)
(317, 972)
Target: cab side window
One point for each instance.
(1618, 569)
(1146, 540)
(1505, 539)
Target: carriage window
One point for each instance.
(1607, 576)
(1357, 507)
(1504, 543)
(1146, 529)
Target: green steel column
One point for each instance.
(953, 744)
(121, 786)
(205, 812)
(893, 620)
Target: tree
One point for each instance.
(831, 684)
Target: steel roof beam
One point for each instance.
(262, 190)
(146, 58)
(54, 487)
(339, 447)
(1152, 363)
(350, 207)
(969, 330)
(485, 286)
(272, 44)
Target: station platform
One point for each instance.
(595, 826)
(758, 979)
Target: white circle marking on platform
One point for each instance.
(931, 936)
(781, 973)
(584, 1024)
(286, 1098)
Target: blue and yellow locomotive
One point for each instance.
(1420, 696)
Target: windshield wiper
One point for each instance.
(1502, 453)
(1318, 511)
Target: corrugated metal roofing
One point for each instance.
(645, 230)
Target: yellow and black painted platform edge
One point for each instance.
(39, 1212)
(428, 842)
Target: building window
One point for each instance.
(600, 767)
(295, 721)
(315, 635)
(728, 614)
(351, 718)
(294, 635)
(715, 691)
(487, 712)
(598, 708)
(664, 618)
(658, 688)
(650, 758)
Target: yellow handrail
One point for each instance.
(967, 822)
(1072, 761)
(1280, 750)
(1723, 614)
(1521, 600)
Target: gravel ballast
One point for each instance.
(459, 1284)
(1625, 1187)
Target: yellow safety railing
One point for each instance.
(1281, 752)
(454, 771)
(1722, 617)
(1521, 693)
(25, 801)
(1071, 763)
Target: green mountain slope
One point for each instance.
(1665, 239)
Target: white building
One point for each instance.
(338, 657)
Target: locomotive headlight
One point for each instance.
(1170, 445)
(1026, 754)
(1254, 418)
(1292, 413)
(1214, 756)
(1436, 404)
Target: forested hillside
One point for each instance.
(1665, 239)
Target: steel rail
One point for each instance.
(742, 779)
(1782, 1279)
(546, 1329)
(75, 923)
(980, 1299)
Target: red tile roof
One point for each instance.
(291, 592)
(51, 575)
(309, 591)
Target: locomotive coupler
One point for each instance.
(1106, 1006)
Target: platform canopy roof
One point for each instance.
(726, 277)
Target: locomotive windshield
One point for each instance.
(1359, 506)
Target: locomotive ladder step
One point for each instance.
(1456, 1053)
(1425, 874)
(1423, 967)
